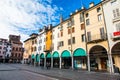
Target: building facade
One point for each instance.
(3, 47)
(89, 39)
(8, 52)
(17, 49)
(113, 29)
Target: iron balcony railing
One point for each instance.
(97, 38)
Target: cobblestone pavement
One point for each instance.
(60, 74)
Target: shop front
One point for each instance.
(56, 59)
(37, 59)
(98, 58)
(66, 59)
(32, 59)
(115, 51)
(48, 60)
(42, 60)
(80, 59)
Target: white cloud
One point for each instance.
(22, 17)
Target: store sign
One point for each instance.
(116, 33)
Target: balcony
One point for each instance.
(97, 38)
(48, 49)
(116, 19)
(115, 35)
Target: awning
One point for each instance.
(79, 52)
(55, 54)
(48, 55)
(32, 56)
(65, 54)
(37, 58)
(42, 55)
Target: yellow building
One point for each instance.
(97, 45)
(30, 48)
(48, 45)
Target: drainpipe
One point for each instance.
(88, 56)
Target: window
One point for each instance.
(72, 21)
(99, 17)
(13, 48)
(61, 33)
(82, 26)
(15, 55)
(61, 43)
(32, 42)
(81, 17)
(69, 24)
(69, 31)
(73, 40)
(39, 48)
(116, 13)
(98, 9)
(83, 37)
(89, 36)
(86, 15)
(73, 29)
(69, 41)
(118, 27)
(34, 48)
(87, 22)
(16, 49)
(102, 33)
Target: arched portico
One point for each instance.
(56, 59)
(80, 58)
(42, 59)
(66, 59)
(48, 59)
(115, 51)
(98, 58)
(32, 59)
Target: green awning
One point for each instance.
(55, 54)
(65, 54)
(42, 55)
(79, 52)
(48, 55)
(37, 58)
(32, 56)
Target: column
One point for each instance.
(45, 62)
(51, 62)
(72, 62)
(88, 61)
(60, 62)
(110, 63)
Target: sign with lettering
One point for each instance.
(116, 33)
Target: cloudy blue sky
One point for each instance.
(23, 17)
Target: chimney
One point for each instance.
(61, 19)
(91, 4)
(50, 26)
(82, 7)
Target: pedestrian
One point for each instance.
(47, 65)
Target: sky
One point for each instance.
(24, 17)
